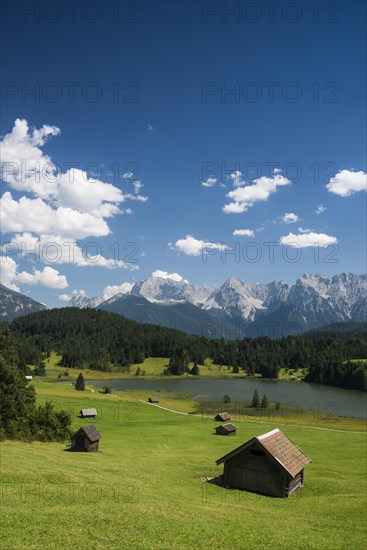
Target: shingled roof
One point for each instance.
(91, 432)
(280, 447)
(228, 427)
(223, 416)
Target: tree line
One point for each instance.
(96, 339)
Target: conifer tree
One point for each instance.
(80, 383)
(255, 400)
(195, 369)
(265, 402)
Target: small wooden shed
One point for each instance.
(153, 400)
(88, 413)
(86, 439)
(270, 464)
(226, 429)
(222, 417)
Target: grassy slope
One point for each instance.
(153, 367)
(142, 490)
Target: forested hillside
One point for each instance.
(102, 340)
(344, 331)
(105, 341)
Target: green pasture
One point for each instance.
(146, 488)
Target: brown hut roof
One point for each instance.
(91, 432)
(280, 447)
(223, 416)
(229, 427)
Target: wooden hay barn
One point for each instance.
(270, 464)
(153, 400)
(86, 440)
(222, 417)
(226, 429)
(88, 413)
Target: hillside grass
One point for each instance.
(143, 489)
(183, 402)
(153, 367)
(292, 374)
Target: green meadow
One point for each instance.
(153, 367)
(146, 488)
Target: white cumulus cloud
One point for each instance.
(307, 238)
(194, 247)
(55, 205)
(36, 216)
(244, 232)
(245, 196)
(290, 217)
(65, 297)
(9, 272)
(75, 190)
(24, 166)
(48, 276)
(52, 249)
(209, 182)
(347, 182)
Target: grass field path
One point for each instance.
(254, 421)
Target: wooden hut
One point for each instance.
(226, 429)
(86, 439)
(222, 417)
(153, 400)
(88, 413)
(270, 464)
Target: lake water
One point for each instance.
(326, 399)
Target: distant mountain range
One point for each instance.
(235, 310)
(13, 304)
(238, 308)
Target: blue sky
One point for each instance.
(172, 95)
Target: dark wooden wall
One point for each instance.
(256, 473)
(221, 431)
(77, 443)
(295, 483)
(81, 444)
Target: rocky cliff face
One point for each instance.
(13, 304)
(314, 300)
